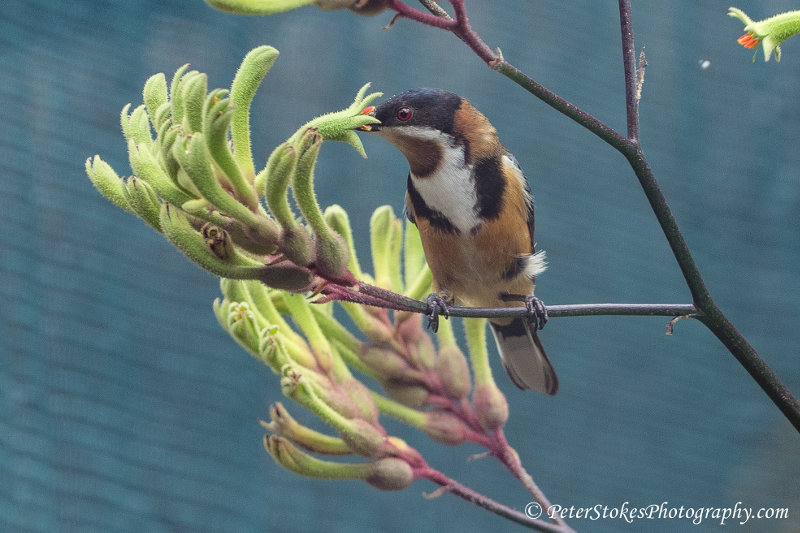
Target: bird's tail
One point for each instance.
(524, 357)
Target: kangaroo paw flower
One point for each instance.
(770, 32)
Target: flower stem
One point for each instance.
(489, 504)
(510, 459)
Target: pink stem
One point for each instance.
(487, 503)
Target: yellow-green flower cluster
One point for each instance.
(196, 183)
(427, 388)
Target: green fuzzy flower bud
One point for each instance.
(386, 238)
(490, 406)
(146, 167)
(155, 95)
(217, 116)
(295, 460)
(271, 7)
(143, 201)
(386, 362)
(451, 367)
(286, 426)
(363, 438)
(285, 277)
(408, 394)
(421, 351)
(136, 126)
(444, 427)
(390, 474)
(361, 397)
(340, 125)
(337, 219)
(257, 7)
(107, 182)
(331, 254)
(296, 242)
(254, 67)
(385, 474)
(297, 245)
(193, 95)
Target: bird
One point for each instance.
(472, 205)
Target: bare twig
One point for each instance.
(710, 314)
(629, 65)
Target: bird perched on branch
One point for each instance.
(473, 207)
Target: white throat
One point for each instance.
(450, 189)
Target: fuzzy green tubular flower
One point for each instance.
(217, 121)
(155, 95)
(330, 250)
(297, 243)
(107, 182)
(271, 7)
(386, 236)
(341, 125)
(251, 72)
(770, 32)
(490, 404)
(385, 474)
(140, 196)
(282, 423)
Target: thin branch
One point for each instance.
(710, 314)
(509, 457)
(378, 297)
(753, 363)
(429, 19)
(559, 104)
(623, 310)
(629, 65)
(489, 504)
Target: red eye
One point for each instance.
(404, 113)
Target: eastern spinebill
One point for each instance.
(473, 207)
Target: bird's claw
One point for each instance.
(537, 312)
(436, 306)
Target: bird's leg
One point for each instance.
(537, 312)
(436, 306)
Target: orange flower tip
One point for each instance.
(365, 127)
(748, 40)
(367, 110)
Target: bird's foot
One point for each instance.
(436, 305)
(537, 312)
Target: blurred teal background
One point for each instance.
(123, 406)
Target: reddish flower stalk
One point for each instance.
(459, 25)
